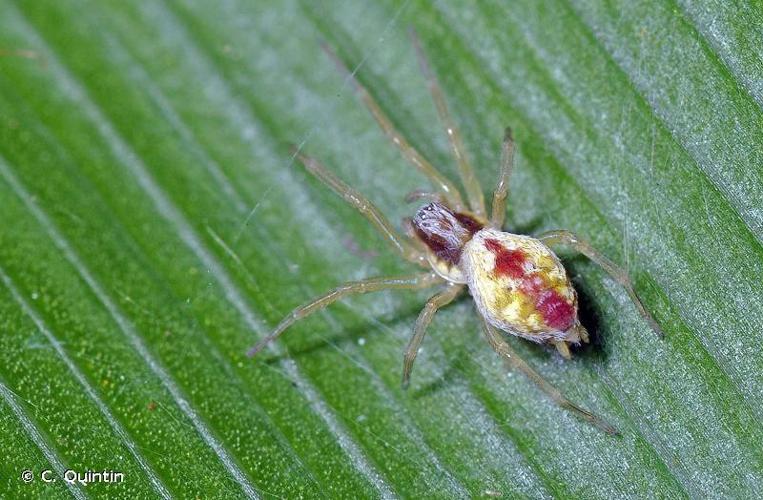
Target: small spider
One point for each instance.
(517, 282)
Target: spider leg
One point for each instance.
(582, 332)
(500, 346)
(502, 188)
(578, 332)
(420, 194)
(465, 170)
(422, 322)
(568, 238)
(25, 53)
(413, 282)
(563, 349)
(365, 207)
(439, 181)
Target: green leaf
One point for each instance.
(154, 226)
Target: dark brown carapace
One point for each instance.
(444, 231)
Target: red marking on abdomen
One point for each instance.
(507, 262)
(532, 285)
(556, 312)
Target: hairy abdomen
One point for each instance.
(519, 285)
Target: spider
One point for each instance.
(518, 284)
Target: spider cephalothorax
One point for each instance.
(517, 282)
(445, 233)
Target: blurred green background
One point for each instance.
(136, 138)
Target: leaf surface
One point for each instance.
(155, 226)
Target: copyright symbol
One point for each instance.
(27, 476)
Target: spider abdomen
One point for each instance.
(519, 285)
